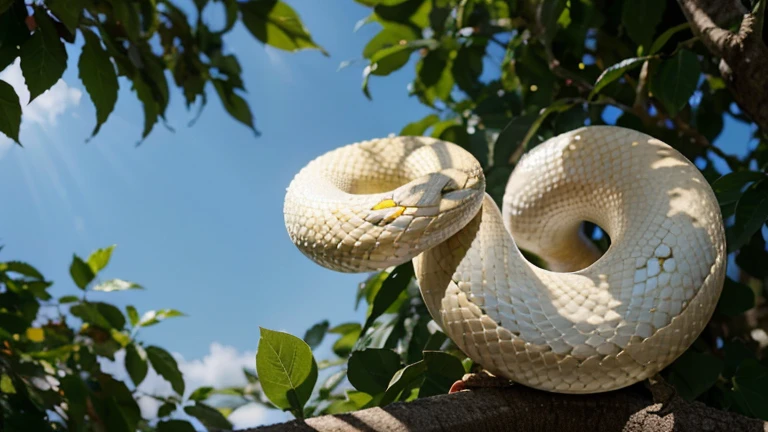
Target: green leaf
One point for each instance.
(640, 18)
(89, 313)
(151, 107)
(126, 13)
(43, 57)
(675, 81)
(615, 72)
(10, 112)
(314, 336)
(5, 5)
(659, 43)
(549, 14)
(81, 272)
(100, 80)
(392, 34)
(155, 316)
(166, 409)
(67, 11)
(751, 214)
(13, 33)
(559, 105)
(275, 23)
(393, 286)
(403, 379)
(116, 285)
(419, 127)
(76, 393)
(467, 67)
(736, 298)
(136, 363)
(210, 417)
(694, 373)
(21, 268)
(133, 315)
(165, 365)
(68, 299)
(175, 425)
(442, 371)
(751, 386)
(6, 384)
(286, 369)
(729, 187)
(235, 105)
(388, 60)
(201, 393)
(371, 370)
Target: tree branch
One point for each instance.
(744, 56)
(521, 408)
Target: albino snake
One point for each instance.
(589, 324)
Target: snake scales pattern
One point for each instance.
(590, 323)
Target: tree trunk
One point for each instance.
(523, 409)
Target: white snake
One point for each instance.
(588, 325)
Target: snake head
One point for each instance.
(431, 195)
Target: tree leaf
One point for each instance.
(615, 72)
(67, 11)
(155, 316)
(314, 336)
(210, 417)
(393, 286)
(372, 369)
(10, 112)
(287, 370)
(151, 106)
(68, 299)
(133, 315)
(659, 43)
(675, 81)
(81, 272)
(136, 363)
(43, 57)
(442, 371)
(175, 426)
(392, 34)
(640, 18)
(116, 285)
(21, 268)
(165, 365)
(166, 409)
(5, 5)
(736, 298)
(751, 214)
(729, 187)
(694, 373)
(100, 80)
(419, 127)
(235, 105)
(403, 379)
(751, 386)
(275, 23)
(201, 393)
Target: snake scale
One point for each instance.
(589, 323)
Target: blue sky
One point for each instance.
(197, 214)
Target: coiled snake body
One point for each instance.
(590, 323)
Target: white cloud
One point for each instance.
(221, 367)
(47, 107)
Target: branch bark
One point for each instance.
(744, 55)
(520, 408)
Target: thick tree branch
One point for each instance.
(744, 56)
(520, 408)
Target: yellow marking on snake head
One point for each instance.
(385, 204)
